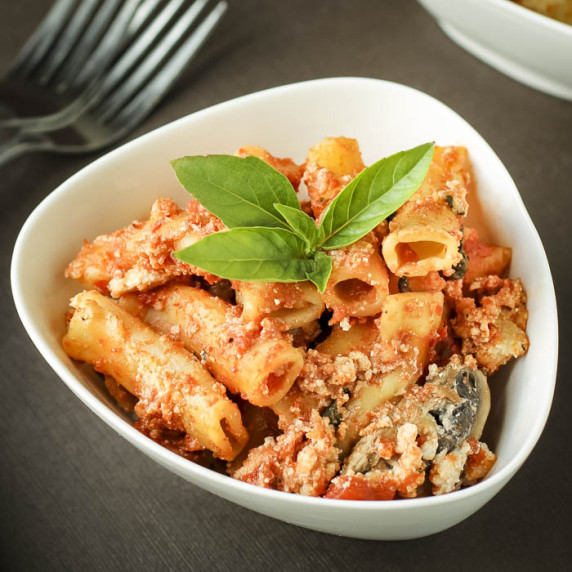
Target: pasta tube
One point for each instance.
(169, 381)
(412, 318)
(261, 366)
(297, 303)
(358, 337)
(330, 165)
(484, 260)
(138, 257)
(425, 234)
(359, 283)
(409, 322)
(285, 166)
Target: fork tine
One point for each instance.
(96, 49)
(138, 48)
(88, 132)
(140, 18)
(68, 39)
(139, 77)
(141, 105)
(98, 90)
(42, 39)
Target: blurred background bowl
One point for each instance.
(525, 45)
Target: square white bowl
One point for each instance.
(385, 117)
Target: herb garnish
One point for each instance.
(271, 238)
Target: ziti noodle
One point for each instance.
(374, 390)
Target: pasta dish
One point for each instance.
(375, 388)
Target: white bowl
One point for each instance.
(385, 117)
(525, 45)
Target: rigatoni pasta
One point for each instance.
(359, 283)
(408, 327)
(171, 383)
(138, 258)
(484, 260)
(369, 385)
(330, 164)
(297, 304)
(425, 234)
(260, 364)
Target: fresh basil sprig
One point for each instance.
(271, 238)
(258, 254)
(301, 224)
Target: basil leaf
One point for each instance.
(300, 223)
(240, 191)
(321, 274)
(258, 255)
(373, 195)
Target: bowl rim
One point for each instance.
(520, 12)
(532, 15)
(181, 465)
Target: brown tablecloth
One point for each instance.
(74, 495)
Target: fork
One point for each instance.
(140, 35)
(70, 50)
(125, 96)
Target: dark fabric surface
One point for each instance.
(74, 495)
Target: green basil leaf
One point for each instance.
(300, 223)
(240, 191)
(321, 274)
(373, 195)
(257, 254)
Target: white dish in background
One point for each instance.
(385, 117)
(525, 45)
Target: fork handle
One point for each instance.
(22, 144)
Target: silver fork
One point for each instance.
(70, 50)
(127, 94)
(148, 23)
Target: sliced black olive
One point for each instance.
(458, 422)
(460, 269)
(403, 284)
(466, 384)
(332, 413)
(325, 329)
(223, 290)
(454, 207)
(453, 424)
